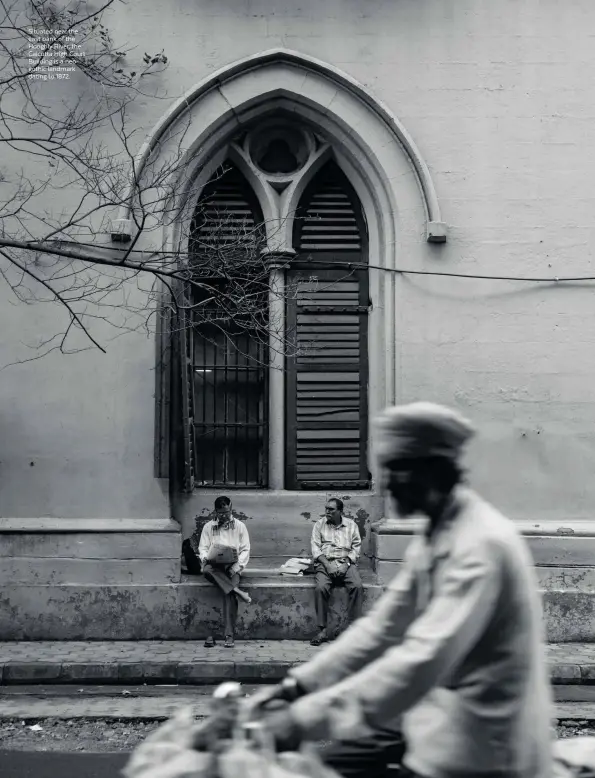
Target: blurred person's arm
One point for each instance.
(432, 646)
(369, 637)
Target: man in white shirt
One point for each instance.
(336, 545)
(224, 551)
(454, 648)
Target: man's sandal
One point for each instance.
(210, 642)
(319, 640)
(229, 642)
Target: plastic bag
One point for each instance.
(240, 761)
(256, 758)
(168, 752)
(574, 757)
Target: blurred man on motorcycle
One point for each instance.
(453, 652)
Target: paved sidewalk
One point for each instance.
(189, 662)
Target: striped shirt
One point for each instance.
(233, 533)
(341, 541)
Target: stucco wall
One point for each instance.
(76, 432)
(498, 97)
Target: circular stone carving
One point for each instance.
(278, 150)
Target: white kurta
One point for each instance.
(456, 647)
(236, 536)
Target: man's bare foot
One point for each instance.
(321, 638)
(243, 595)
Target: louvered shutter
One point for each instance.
(225, 215)
(327, 322)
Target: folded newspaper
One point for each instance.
(296, 566)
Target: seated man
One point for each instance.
(336, 544)
(224, 551)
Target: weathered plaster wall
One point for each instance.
(76, 432)
(498, 97)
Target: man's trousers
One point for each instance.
(324, 584)
(223, 580)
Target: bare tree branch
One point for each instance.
(69, 166)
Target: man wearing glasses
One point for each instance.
(336, 545)
(224, 551)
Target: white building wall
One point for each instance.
(498, 97)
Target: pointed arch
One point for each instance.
(371, 147)
(224, 85)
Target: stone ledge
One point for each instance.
(281, 609)
(47, 525)
(267, 577)
(549, 548)
(189, 610)
(547, 528)
(215, 671)
(205, 672)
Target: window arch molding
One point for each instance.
(370, 134)
(370, 145)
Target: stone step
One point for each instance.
(49, 551)
(564, 555)
(189, 662)
(282, 608)
(568, 596)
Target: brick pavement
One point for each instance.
(189, 662)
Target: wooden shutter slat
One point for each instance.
(327, 319)
(329, 221)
